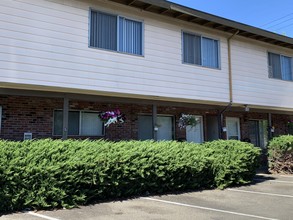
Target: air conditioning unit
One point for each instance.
(27, 136)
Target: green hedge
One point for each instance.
(53, 173)
(280, 151)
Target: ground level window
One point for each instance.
(80, 123)
(164, 124)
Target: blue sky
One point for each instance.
(273, 15)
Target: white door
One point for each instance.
(233, 128)
(195, 134)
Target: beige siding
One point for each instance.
(46, 43)
(251, 82)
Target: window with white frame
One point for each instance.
(200, 50)
(280, 67)
(80, 123)
(116, 33)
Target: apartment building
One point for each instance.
(64, 62)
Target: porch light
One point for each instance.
(246, 108)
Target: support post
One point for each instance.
(65, 118)
(270, 134)
(154, 122)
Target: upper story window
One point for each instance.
(280, 67)
(116, 33)
(200, 50)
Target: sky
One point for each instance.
(272, 15)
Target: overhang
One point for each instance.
(187, 14)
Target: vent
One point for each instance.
(27, 136)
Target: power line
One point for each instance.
(284, 27)
(276, 20)
(279, 23)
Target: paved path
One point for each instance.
(270, 197)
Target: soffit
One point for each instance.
(183, 13)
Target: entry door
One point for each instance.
(233, 128)
(212, 128)
(195, 134)
(164, 124)
(258, 133)
(165, 128)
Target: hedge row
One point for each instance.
(281, 154)
(49, 173)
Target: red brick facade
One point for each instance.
(22, 114)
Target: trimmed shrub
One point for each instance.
(234, 162)
(280, 151)
(44, 174)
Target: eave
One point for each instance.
(186, 14)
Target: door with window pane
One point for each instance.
(258, 133)
(195, 133)
(164, 124)
(233, 128)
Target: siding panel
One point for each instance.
(46, 43)
(251, 81)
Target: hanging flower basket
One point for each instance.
(112, 117)
(187, 120)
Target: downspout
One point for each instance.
(221, 114)
(230, 67)
(221, 119)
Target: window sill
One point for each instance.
(115, 51)
(206, 67)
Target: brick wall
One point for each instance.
(33, 114)
(27, 114)
(278, 121)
